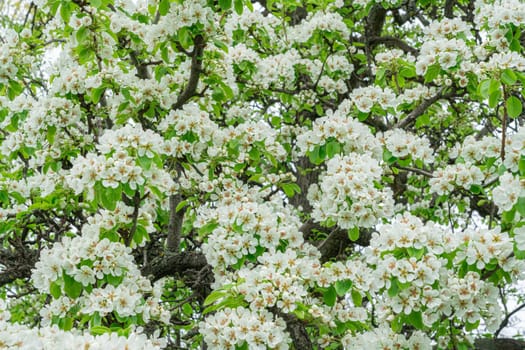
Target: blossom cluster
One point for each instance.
(241, 326)
(8, 68)
(500, 61)
(21, 337)
(366, 97)
(319, 21)
(94, 276)
(507, 193)
(456, 175)
(446, 28)
(384, 338)
(446, 53)
(280, 279)
(127, 158)
(249, 20)
(48, 126)
(496, 14)
(402, 144)
(347, 193)
(409, 262)
(338, 126)
(193, 131)
(245, 225)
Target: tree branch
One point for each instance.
(16, 264)
(196, 69)
(171, 264)
(175, 224)
(392, 41)
(305, 177)
(505, 321)
(421, 108)
(337, 239)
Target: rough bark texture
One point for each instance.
(174, 264)
(499, 344)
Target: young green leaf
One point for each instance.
(514, 107)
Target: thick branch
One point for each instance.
(449, 8)
(499, 344)
(301, 339)
(196, 69)
(174, 264)
(305, 177)
(375, 21)
(142, 69)
(392, 41)
(16, 264)
(420, 109)
(336, 241)
(175, 224)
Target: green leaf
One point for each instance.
(408, 72)
(208, 228)
(521, 165)
(187, 309)
(164, 7)
(432, 72)
(55, 290)
(397, 324)
(184, 36)
(82, 34)
(330, 296)
(317, 155)
(388, 157)
(14, 89)
(464, 346)
(342, 286)
(96, 3)
(181, 205)
(96, 94)
(508, 216)
(476, 189)
(214, 296)
(394, 288)
(416, 320)
(96, 320)
(332, 148)
(353, 233)
(520, 206)
(508, 77)
(66, 323)
(144, 162)
(472, 326)
(494, 86)
(72, 288)
(85, 53)
(422, 120)
(483, 88)
(65, 11)
(514, 107)
(114, 280)
(238, 5)
(494, 98)
(99, 330)
(362, 116)
(230, 301)
(140, 234)
(50, 136)
(225, 4)
(357, 298)
(109, 196)
(290, 189)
